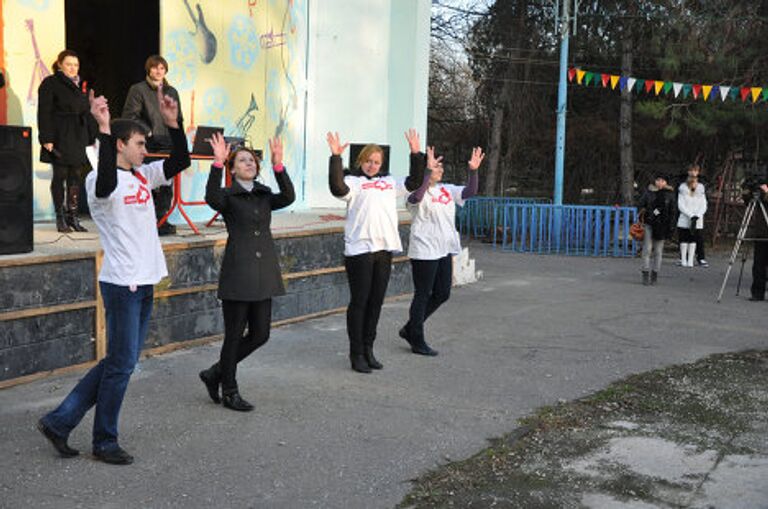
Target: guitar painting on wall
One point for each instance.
(204, 38)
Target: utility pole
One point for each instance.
(562, 99)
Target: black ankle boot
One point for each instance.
(61, 224)
(211, 378)
(359, 364)
(235, 402)
(646, 278)
(654, 277)
(370, 359)
(73, 199)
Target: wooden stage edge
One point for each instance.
(172, 347)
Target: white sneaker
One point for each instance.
(703, 263)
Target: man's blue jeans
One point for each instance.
(105, 384)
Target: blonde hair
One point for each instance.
(367, 152)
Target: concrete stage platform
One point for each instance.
(52, 319)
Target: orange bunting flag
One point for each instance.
(657, 86)
(706, 89)
(571, 74)
(580, 75)
(605, 78)
(696, 91)
(756, 93)
(614, 81)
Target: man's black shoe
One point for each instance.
(58, 443)
(116, 456)
(424, 349)
(359, 364)
(166, 229)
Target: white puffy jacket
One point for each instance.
(691, 204)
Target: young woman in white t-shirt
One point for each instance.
(433, 242)
(370, 237)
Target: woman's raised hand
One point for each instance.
(276, 151)
(337, 148)
(412, 136)
(100, 112)
(220, 148)
(477, 158)
(432, 162)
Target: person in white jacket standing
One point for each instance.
(692, 204)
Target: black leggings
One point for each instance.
(258, 316)
(759, 263)
(368, 276)
(63, 174)
(431, 287)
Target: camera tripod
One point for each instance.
(741, 237)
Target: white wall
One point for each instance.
(367, 79)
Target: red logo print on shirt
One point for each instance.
(140, 198)
(444, 198)
(381, 185)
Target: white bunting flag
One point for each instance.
(677, 87)
(724, 92)
(631, 84)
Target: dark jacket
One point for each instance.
(250, 270)
(64, 119)
(658, 207)
(141, 104)
(758, 228)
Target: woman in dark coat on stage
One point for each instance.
(66, 127)
(250, 273)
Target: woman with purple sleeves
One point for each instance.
(433, 242)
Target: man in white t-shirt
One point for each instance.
(120, 201)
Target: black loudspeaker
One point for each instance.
(16, 233)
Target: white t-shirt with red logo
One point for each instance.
(372, 215)
(127, 226)
(433, 225)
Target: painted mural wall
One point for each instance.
(259, 68)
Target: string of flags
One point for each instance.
(660, 87)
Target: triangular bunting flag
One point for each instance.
(696, 90)
(588, 78)
(571, 74)
(756, 93)
(649, 86)
(631, 83)
(614, 81)
(604, 79)
(715, 92)
(724, 92)
(667, 87)
(597, 81)
(765, 94)
(686, 90)
(744, 93)
(734, 93)
(707, 89)
(580, 75)
(657, 86)
(677, 88)
(639, 85)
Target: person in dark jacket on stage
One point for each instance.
(66, 127)
(657, 208)
(140, 104)
(250, 272)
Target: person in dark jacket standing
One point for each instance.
(657, 208)
(66, 127)
(758, 230)
(140, 104)
(250, 272)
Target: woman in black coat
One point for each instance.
(250, 273)
(66, 128)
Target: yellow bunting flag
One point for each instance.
(756, 93)
(580, 75)
(707, 89)
(614, 81)
(657, 86)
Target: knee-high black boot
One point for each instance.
(73, 199)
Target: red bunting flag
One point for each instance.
(604, 79)
(745, 91)
(571, 74)
(696, 91)
(648, 85)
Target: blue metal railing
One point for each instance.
(531, 227)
